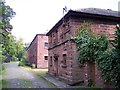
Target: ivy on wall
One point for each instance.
(93, 47)
(109, 62)
(89, 45)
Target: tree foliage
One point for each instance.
(6, 14)
(14, 48)
(20, 49)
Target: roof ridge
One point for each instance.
(107, 12)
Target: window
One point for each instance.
(51, 61)
(51, 38)
(45, 57)
(46, 44)
(64, 59)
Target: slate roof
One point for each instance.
(103, 14)
(106, 12)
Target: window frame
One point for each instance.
(46, 44)
(46, 58)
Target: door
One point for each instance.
(92, 72)
(56, 65)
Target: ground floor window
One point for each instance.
(64, 59)
(51, 61)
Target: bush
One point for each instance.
(109, 64)
(23, 63)
(33, 65)
(2, 57)
(3, 67)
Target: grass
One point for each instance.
(26, 83)
(40, 73)
(3, 81)
(49, 83)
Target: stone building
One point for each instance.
(63, 53)
(37, 52)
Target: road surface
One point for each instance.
(20, 78)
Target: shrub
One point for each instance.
(33, 65)
(3, 67)
(109, 62)
(23, 63)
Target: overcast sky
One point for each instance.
(39, 16)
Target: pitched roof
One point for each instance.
(91, 13)
(107, 12)
(35, 38)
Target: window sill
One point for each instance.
(45, 47)
(50, 65)
(64, 66)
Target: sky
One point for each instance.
(39, 16)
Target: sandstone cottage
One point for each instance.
(63, 53)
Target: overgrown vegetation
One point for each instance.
(10, 47)
(89, 45)
(94, 48)
(23, 63)
(3, 81)
(109, 62)
(6, 13)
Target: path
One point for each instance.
(20, 78)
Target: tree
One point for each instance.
(26, 45)
(6, 14)
(20, 49)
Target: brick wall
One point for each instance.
(37, 51)
(98, 27)
(59, 44)
(42, 51)
(31, 53)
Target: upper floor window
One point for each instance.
(45, 57)
(46, 44)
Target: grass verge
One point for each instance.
(49, 83)
(40, 73)
(3, 81)
(26, 83)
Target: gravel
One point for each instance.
(20, 78)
